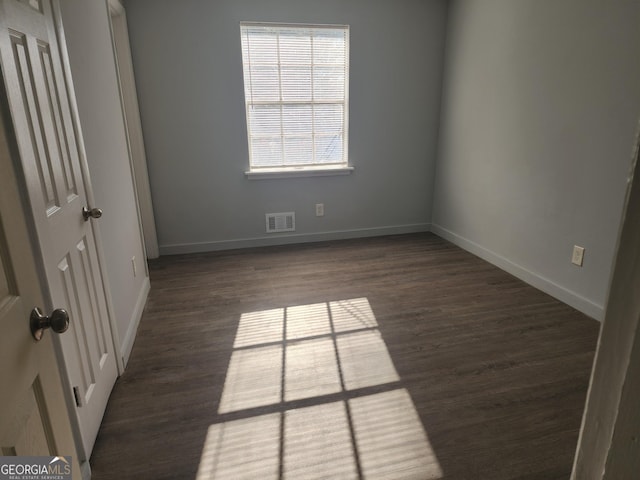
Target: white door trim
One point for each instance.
(608, 444)
(133, 127)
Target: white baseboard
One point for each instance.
(563, 294)
(176, 249)
(130, 336)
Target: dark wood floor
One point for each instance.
(442, 366)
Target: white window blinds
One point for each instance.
(296, 83)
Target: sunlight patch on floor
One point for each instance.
(253, 379)
(365, 360)
(310, 369)
(353, 314)
(318, 439)
(315, 353)
(391, 440)
(242, 449)
(307, 320)
(259, 327)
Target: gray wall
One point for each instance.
(540, 106)
(189, 76)
(94, 75)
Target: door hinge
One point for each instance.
(76, 395)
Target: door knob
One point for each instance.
(93, 213)
(58, 322)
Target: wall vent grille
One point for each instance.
(281, 222)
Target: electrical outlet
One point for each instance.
(319, 209)
(135, 268)
(578, 255)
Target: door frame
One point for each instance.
(608, 445)
(132, 126)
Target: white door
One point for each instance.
(34, 418)
(42, 108)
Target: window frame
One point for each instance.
(295, 169)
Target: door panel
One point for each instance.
(82, 295)
(35, 4)
(33, 416)
(32, 122)
(29, 429)
(39, 97)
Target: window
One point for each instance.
(296, 80)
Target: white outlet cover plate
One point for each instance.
(578, 255)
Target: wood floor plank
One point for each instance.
(416, 360)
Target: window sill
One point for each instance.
(291, 172)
